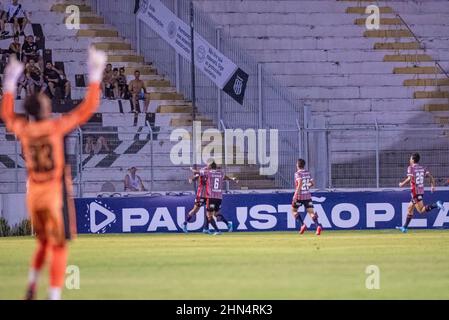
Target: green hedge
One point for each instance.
(18, 230)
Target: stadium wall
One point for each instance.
(256, 212)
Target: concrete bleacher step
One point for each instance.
(437, 107)
(383, 21)
(416, 70)
(431, 95)
(408, 58)
(144, 70)
(174, 109)
(97, 33)
(112, 46)
(388, 34)
(426, 82)
(126, 58)
(61, 7)
(165, 96)
(361, 10)
(397, 45)
(187, 121)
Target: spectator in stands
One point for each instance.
(15, 47)
(29, 50)
(17, 16)
(35, 79)
(138, 92)
(114, 83)
(94, 147)
(107, 83)
(122, 83)
(55, 79)
(3, 16)
(133, 182)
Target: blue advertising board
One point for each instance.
(257, 212)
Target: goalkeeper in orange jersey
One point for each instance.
(42, 139)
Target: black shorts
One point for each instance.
(199, 202)
(417, 198)
(308, 204)
(213, 205)
(21, 21)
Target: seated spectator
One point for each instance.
(35, 79)
(107, 85)
(114, 83)
(56, 79)
(93, 147)
(133, 182)
(3, 16)
(29, 50)
(122, 83)
(15, 47)
(17, 16)
(138, 92)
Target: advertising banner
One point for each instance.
(257, 212)
(216, 66)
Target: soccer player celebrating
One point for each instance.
(302, 196)
(200, 200)
(42, 140)
(415, 176)
(214, 178)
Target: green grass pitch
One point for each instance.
(244, 266)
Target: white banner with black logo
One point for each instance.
(217, 67)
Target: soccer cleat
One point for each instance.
(184, 229)
(30, 294)
(230, 226)
(206, 231)
(217, 233)
(318, 230)
(440, 205)
(302, 229)
(402, 229)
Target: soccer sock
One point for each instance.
(431, 207)
(189, 218)
(299, 219)
(214, 224)
(407, 222)
(38, 262)
(315, 220)
(54, 293)
(58, 266)
(220, 217)
(206, 222)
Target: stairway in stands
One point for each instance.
(128, 134)
(350, 77)
(395, 35)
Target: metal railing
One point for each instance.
(268, 103)
(422, 45)
(338, 157)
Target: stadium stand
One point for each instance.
(318, 49)
(128, 134)
(351, 76)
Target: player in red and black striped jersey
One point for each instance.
(200, 200)
(302, 196)
(214, 195)
(416, 175)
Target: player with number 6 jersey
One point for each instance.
(215, 178)
(303, 197)
(416, 175)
